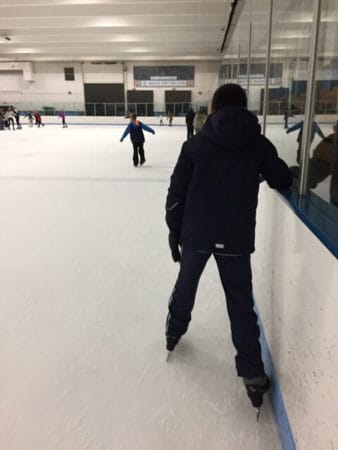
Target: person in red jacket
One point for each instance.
(38, 119)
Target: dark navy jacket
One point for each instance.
(136, 132)
(213, 193)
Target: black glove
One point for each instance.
(174, 247)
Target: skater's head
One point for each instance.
(229, 95)
(133, 117)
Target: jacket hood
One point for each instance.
(231, 128)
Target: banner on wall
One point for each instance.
(256, 76)
(258, 80)
(164, 76)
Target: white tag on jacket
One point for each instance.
(219, 245)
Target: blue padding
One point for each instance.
(318, 215)
(278, 407)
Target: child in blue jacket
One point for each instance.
(135, 129)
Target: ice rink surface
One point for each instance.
(86, 276)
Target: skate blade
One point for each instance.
(258, 413)
(168, 356)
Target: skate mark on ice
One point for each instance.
(144, 373)
(219, 412)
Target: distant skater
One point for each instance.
(38, 119)
(161, 121)
(30, 118)
(189, 120)
(170, 117)
(9, 119)
(135, 129)
(63, 119)
(17, 118)
(287, 116)
(2, 116)
(199, 120)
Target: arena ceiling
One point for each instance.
(123, 30)
(112, 29)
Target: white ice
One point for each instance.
(85, 280)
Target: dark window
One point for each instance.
(104, 92)
(135, 96)
(69, 74)
(178, 96)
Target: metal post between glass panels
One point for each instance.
(125, 87)
(238, 62)
(248, 68)
(267, 70)
(310, 99)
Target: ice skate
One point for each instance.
(256, 388)
(171, 344)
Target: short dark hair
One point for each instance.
(229, 95)
(133, 116)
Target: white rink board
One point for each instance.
(111, 120)
(296, 285)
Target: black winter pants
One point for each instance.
(235, 273)
(10, 121)
(190, 130)
(138, 152)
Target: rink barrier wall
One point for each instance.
(275, 394)
(309, 212)
(155, 121)
(296, 284)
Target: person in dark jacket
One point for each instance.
(17, 118)
(189, 120)
(211, 210)
(287, 115)
(135, 129)
(2, 117)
